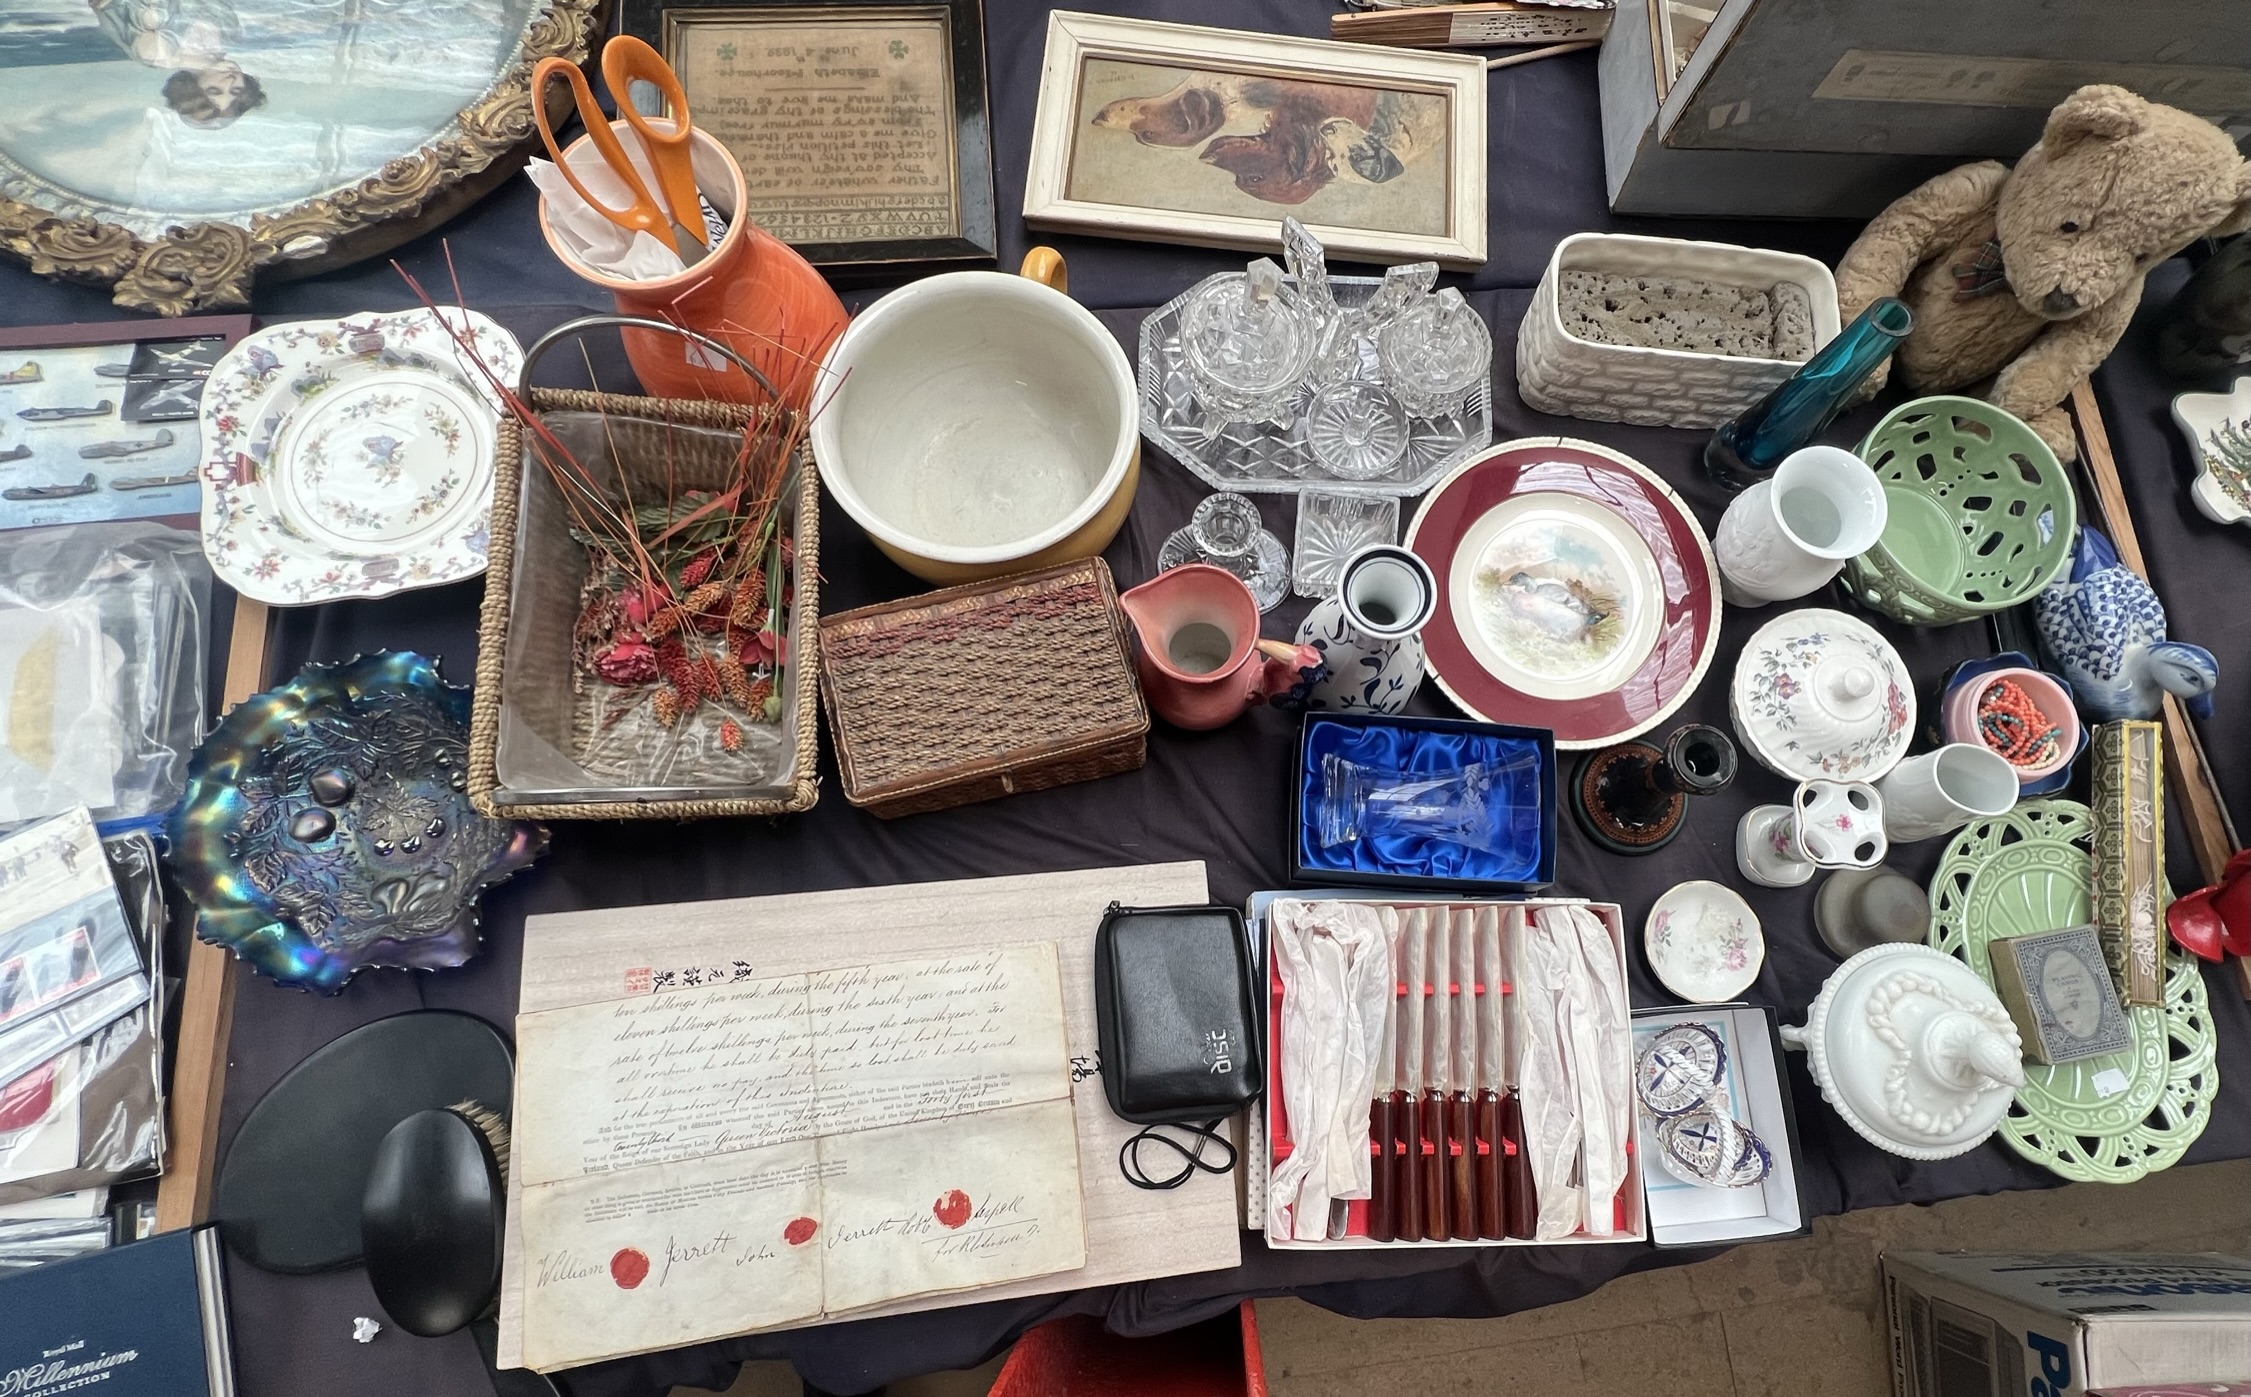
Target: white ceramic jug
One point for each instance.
(1787, 536)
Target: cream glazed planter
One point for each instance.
(1913, 1050)
(1558, 372)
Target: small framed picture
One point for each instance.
(861, 125)
(97, 424)
(1186, 134)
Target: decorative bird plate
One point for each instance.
(1575, 592)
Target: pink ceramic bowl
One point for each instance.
(1958, 718)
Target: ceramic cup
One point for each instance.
(1958, 716)
(1926, 796)
(1789, 535)
(979, 423)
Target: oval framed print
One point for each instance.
(170, 149)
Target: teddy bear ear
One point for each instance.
(2097, 111)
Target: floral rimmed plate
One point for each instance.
(1819, 695)
(1703, 942)
(353, 458)
(1576, 593)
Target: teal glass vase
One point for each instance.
(1746, 450)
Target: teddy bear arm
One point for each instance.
(1918, 226)
(2044, 374)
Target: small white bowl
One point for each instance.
(1703, 942)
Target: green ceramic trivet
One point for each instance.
(1979, 515)
(2108, 1119)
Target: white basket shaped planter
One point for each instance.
(1559, 372)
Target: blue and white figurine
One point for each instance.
(2104, 628)
(1369, 632)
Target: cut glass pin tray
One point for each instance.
(1276, 457)
(2106, 1119)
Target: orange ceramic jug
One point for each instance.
(1200, 659)
(753, 293)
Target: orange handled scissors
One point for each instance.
(643, 214)
(626, 61)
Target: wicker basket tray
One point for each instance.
(1016, 684)
(541, 667)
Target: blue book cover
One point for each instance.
(147, 1318)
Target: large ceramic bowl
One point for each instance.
(977, 424)
(1980, 515)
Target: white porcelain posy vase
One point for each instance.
(1786, 537)
(1913, 1050)
(1369, 632)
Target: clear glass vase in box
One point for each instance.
(566, 737)
(1280, 456)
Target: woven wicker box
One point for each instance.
(973, 692)
(524, 642)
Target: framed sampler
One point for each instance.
(861, 125)
(1180, 133)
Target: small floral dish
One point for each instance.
(1703, 942)
(353, 458)
(2218, 428)
(1820, 695)
(326, 826)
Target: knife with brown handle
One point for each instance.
(1461, 1163)
(1492, 1218)
(1439, 1061)
(1407, 1192)
(1383, 1113)
(1519, 1196)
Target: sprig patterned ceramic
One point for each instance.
(1703, 942)
(353, 458)
(2218, 428)
(2112, 1118)
(1819, 694)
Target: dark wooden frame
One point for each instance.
(978, 243)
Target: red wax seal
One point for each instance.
(800, 1231)
(952, 1208)
(629, 1267)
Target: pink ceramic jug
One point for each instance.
(1200, 658)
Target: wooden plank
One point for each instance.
(199, 1067)
(2188, 770)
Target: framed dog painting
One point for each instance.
(1180, 133)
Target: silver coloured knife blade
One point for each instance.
(1465, 999)
(1437, 1051)
(1490, 1043)
(1387, 1053)
(1411, 1019)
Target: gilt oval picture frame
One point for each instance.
(171, 149)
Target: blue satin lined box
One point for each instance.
(1512, 849)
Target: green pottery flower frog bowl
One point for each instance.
(1980, 513)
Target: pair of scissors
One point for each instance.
(625, 61)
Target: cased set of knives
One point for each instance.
(1446, 1128)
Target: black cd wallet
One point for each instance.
(1176, 1006)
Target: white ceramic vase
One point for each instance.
(1786, 537)
(1369, 632)
(1926, 796)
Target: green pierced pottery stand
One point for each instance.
(2108, 1119)
(1979, 514)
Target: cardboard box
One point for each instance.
(2129, 804)
(1268, 1125)
(1682, 1214)
(1788, 109)
(1991, 1324)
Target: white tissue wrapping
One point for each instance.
(1598, 1018)
(585, 233)
(1539, 969)
(1335, 961)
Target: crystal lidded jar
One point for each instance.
(1749, 448)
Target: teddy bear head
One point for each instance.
(2116, 185)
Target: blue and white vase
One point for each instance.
(1370, 632)
(2104, 629)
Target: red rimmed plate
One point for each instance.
(1575, 591)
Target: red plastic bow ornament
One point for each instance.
(2216, 921)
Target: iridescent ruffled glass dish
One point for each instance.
(327, 827)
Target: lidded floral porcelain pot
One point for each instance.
(1913, 1050)
(1819, 695)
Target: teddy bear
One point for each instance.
(2022, 280)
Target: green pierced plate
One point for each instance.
(1979, 514)
(2108, 1119)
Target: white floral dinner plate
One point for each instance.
(1819, 695)
(353, 457)
(1703, 942)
